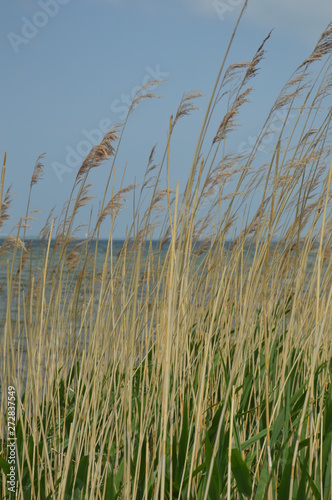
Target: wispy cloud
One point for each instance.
(149, 7)
(304, 17)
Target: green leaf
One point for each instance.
(69, 483)
(110, 492)
(4, 465)
(241, 473)
(183, 443)
(277, 428)
(313, 487)
(119, 476)
(77, 495)
(326, 487)
(283, 490)
(82, 472)
(214, 485)
(263, 482)
(253, 439)
(198, 470)
(301, 493)
(142, 471)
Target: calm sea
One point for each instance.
(33, 269)
(34, 264)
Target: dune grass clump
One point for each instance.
(196, 366)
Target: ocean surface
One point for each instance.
(34, 264)
(33, 267)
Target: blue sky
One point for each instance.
(69, 67)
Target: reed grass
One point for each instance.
(198, 366)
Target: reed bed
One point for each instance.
(198, 366)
